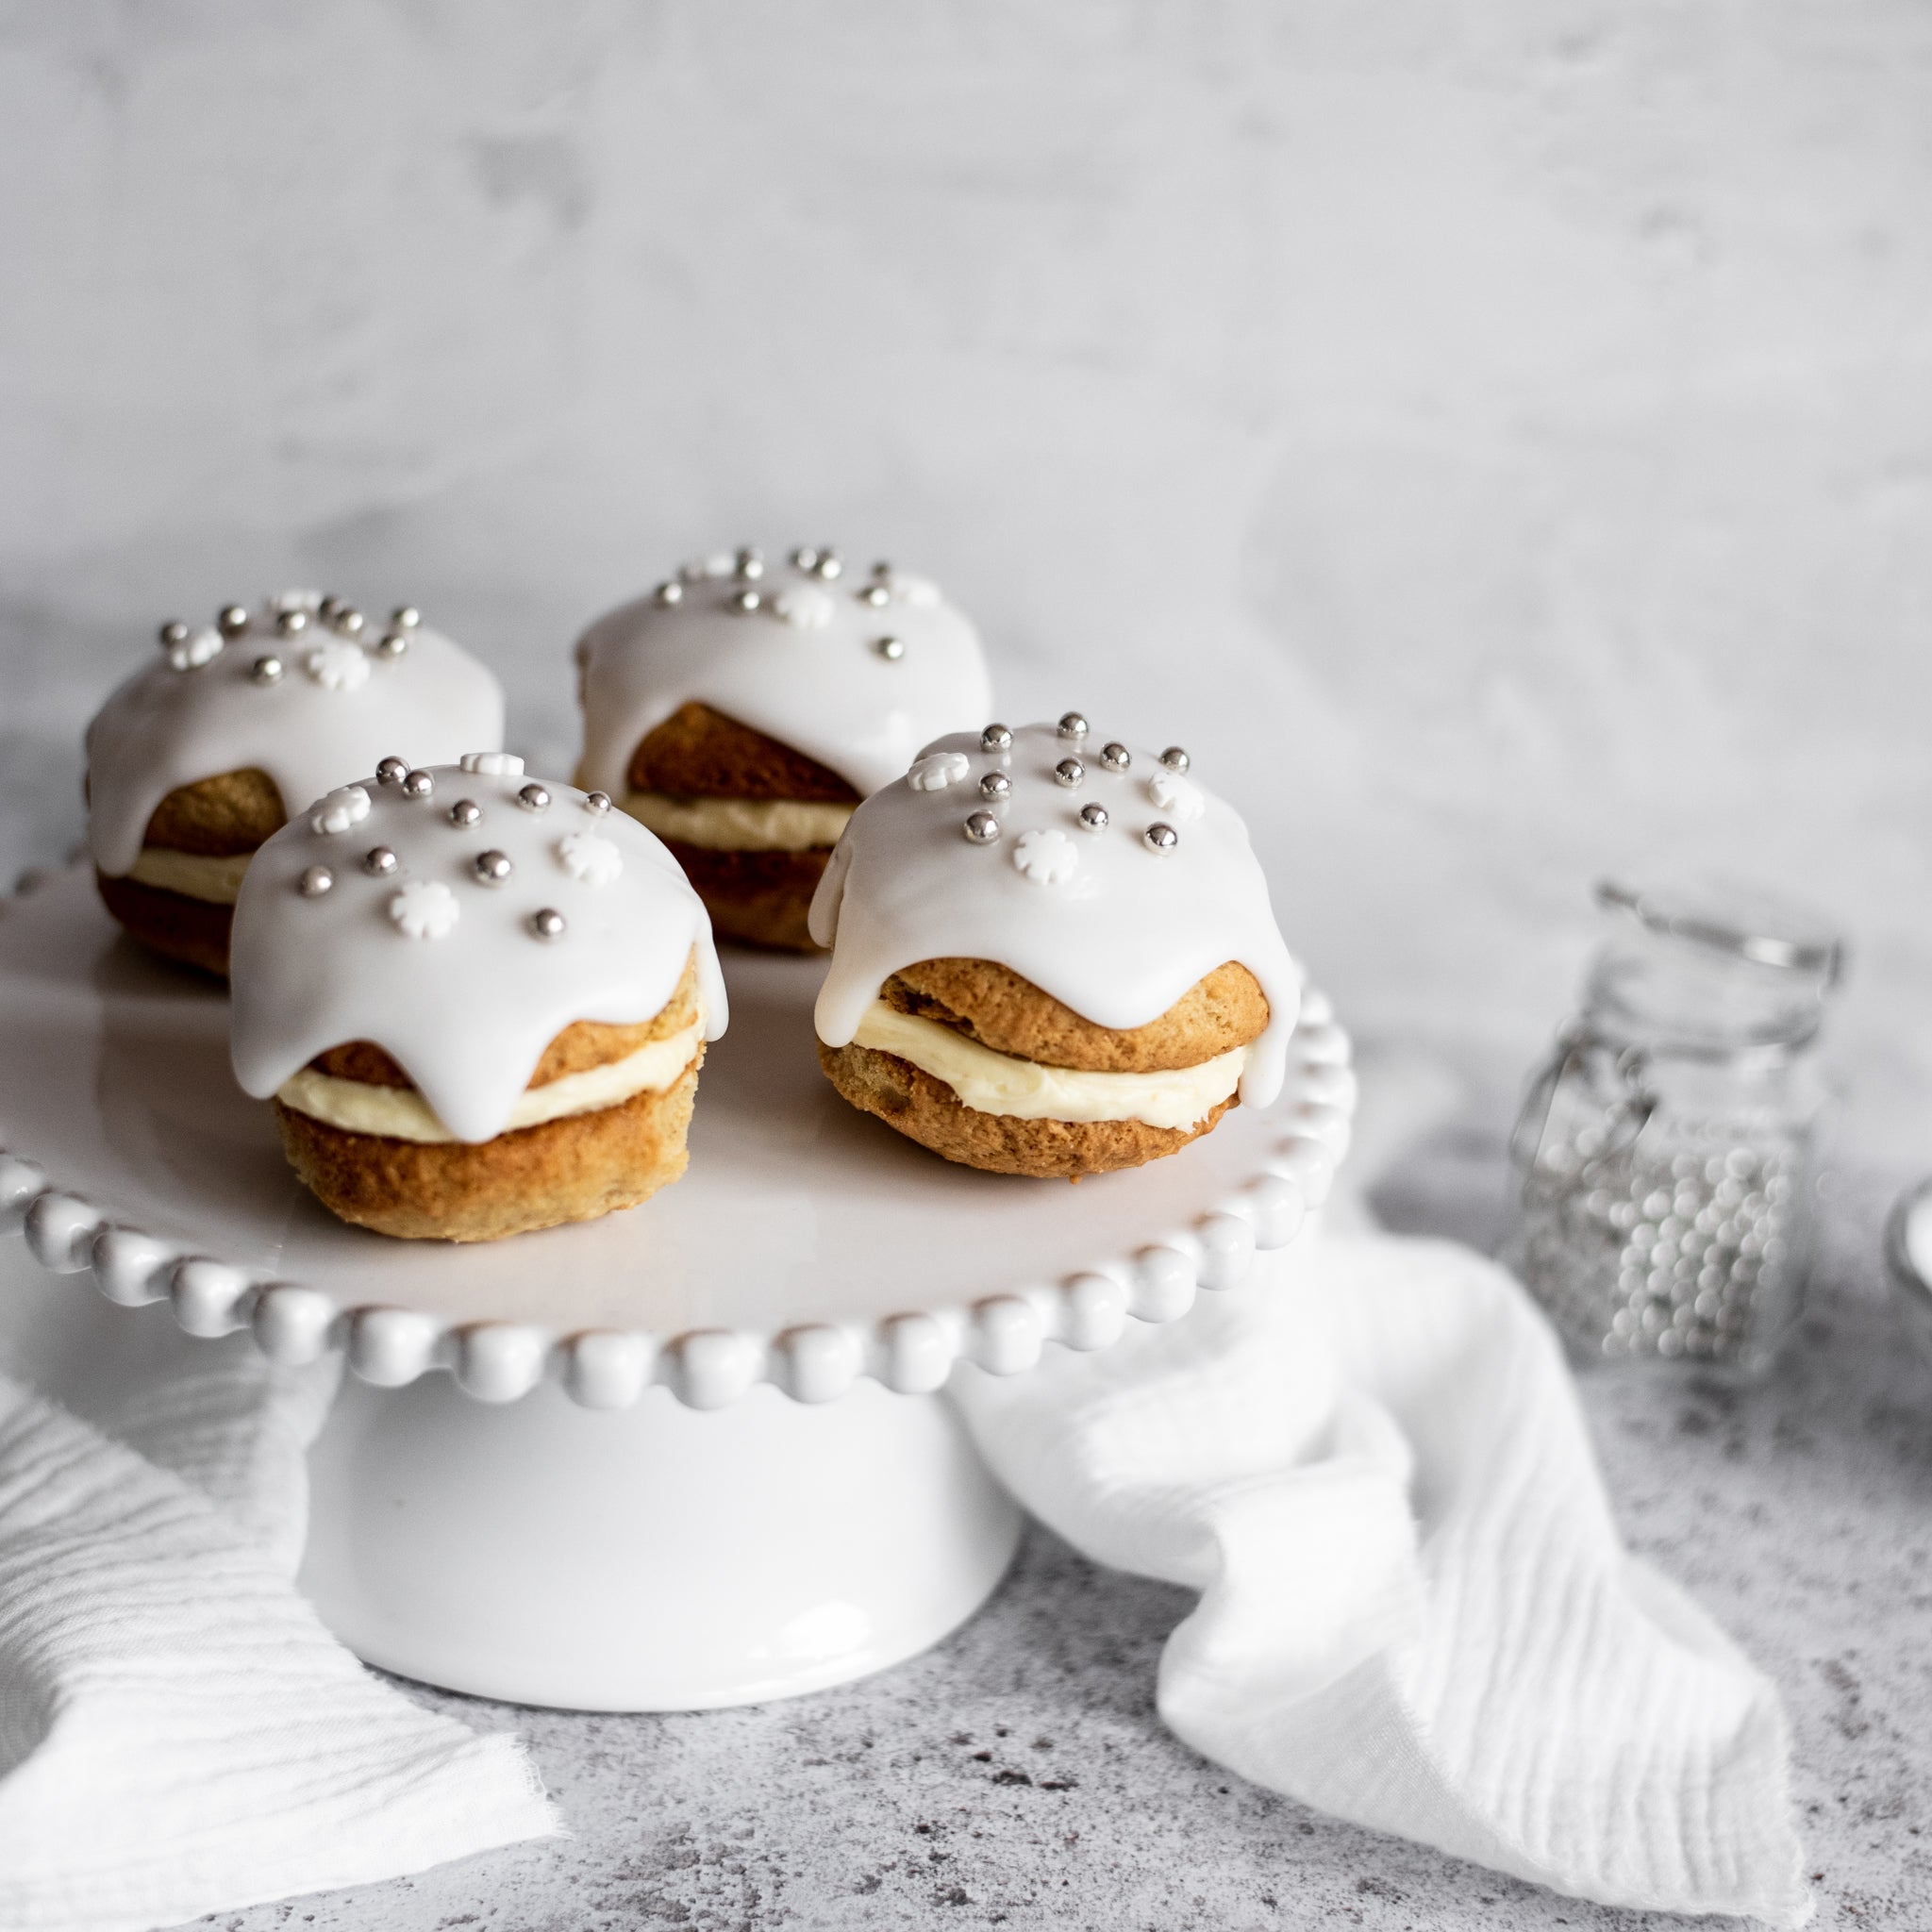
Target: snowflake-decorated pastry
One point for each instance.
(744, 705)
(478, 1017)
(1034, 971)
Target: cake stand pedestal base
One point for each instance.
(651, 1558)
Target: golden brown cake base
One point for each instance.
(756, 898)
(575, 1168)
(928, 1110)
(191, 932)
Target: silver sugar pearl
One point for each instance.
(1116, 757)
(549, 924)
(466, 812)
(172, 633)
(981, 828)
(892, 649)
(745, 602)
(392, 771)
(995, 786)
(1176, 760)
(875, 594)
(1160, 838)
(804, 559)
(534, 798)
(1069, 772)
(391, 643)
(406, 617)
(828, 565)
(749, 564)
(995, 738)
(669, 591)
(598, 802)
(379, 862)
(492, 867)
(291, 623)
(1072, 724)
(330, 609)
(1093, 818)
(315, 882)
(348, 621)
(882, 569)
(266, 669)
(232, 619)
(418, 784)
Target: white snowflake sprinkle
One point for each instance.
(493, 764)
(1047, 857)
(346, 805)
(922, 594)
(197, 648)
(934, 773)
(589, 858)
(721, 563)
(425, 909)
(307, 602)
(805, 605)
(338, 666)
(1179, 798)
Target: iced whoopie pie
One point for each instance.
(1050, 957)
(197, 758)
(743, 708)
(479, 1003)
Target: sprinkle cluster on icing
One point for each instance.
(460, 917)
(305, 689)
(854, 670)
(1103, 873)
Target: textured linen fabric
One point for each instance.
(178, 1734)
(1415, 1610)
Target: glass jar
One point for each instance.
(1668, 1150)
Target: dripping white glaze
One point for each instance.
(165, 727)
(805, 668)
(1119, 936)
(468, 1007)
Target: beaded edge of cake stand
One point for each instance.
(913, 1353)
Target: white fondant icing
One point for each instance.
(1176, 799)
(935, 772)
(590, 856)
(346, 805)
(161, 729)
(1118, 942)
(1046, 855)
(339, 664)
(425, 909)
(827, 690)
(467, 1017)
(493, 764)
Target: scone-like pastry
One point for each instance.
(196, 760)
(1050, 957)
(742, 709)
(479, 1003)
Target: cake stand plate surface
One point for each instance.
(633, 1492)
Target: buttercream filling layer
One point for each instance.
(401, 1113)
(741, 825)
(194, 875)
(993, 1082)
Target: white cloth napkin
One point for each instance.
(178, 1734)
(1415, 1612)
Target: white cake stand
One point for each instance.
(687, 1455)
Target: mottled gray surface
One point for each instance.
(1018, 1776)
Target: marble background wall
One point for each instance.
(1497, 439)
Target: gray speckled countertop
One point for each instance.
(1017, 1776)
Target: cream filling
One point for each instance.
(402, 1113)
(997, 1083)
(194, 875)
(740, 824)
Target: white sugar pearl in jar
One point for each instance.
(1667, 1152)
